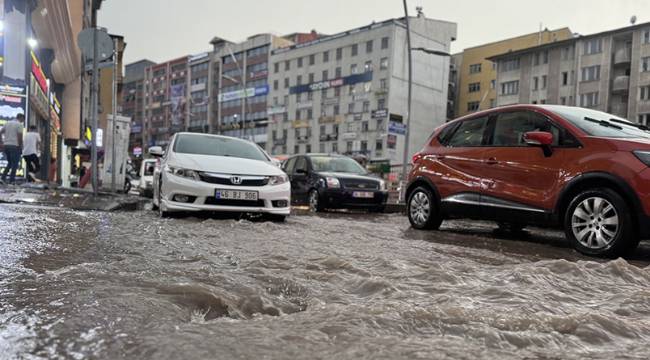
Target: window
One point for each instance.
(368, 66)
(644, 93)
(364, 146)
(646, 36)
(510, 128)
(339, 53)
(310, 114)
(644, 119)
(297, 116)
(493, 84)
(336, 110)
(337, 72)
(364, 126)
(353, 90)
(348, 146)
(384, 43)
(200, 67)
(310, 96)
(366, 106)
(589, 99)
(493, 103)
(383, 84)
(353, 69)
(645, 64)
(296, 150)
(350, 108)
(324, 75)
(565, 78)
(535, 83)
(510, 88)
(335, 147)
(544, 78)
(321, 147)
(469, 133)
(475, 87)
(381, 104)
(383, 63)
(591, 73)
(323, 95)
(287, 65)
(355, 49)
(593, 46)
(276, 85)
(299, 62)
(286, 83)
(475, 68)
(312, 59)
(337, 91)
(473, 106)
(567, 53)
(562, 100)
(545, 57)
(510, 65)
(326, 56)
(311, 78)
(299, 80)
(257, 51)
(368, 46)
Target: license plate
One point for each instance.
(363, 194)
(236, 195)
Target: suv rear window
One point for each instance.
(469, 133)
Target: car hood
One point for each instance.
(341, 175)
(223, 164)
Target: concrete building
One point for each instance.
(608, 71)
(346, 93)
(477, 76)
(132, 102)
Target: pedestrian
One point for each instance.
(13, 142)
(32, 140)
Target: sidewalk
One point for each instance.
(76, 199)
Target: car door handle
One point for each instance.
(491, 161)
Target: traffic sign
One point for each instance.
(104, 44)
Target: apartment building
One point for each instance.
(132, 102)
(346, 93)
(607, 71)
(476, 83)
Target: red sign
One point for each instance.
(38, 73)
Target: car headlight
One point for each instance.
(277, 180)
(186, 173)
(644, 156)
(332, 182)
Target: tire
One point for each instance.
(315, 205)
(511, 227)
(422, 210)
(163, 214)
(127, 186)
(598, 222)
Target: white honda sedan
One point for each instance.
(202, 172)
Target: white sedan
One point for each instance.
(202, 172)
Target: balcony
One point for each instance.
(623, 56)
(621, 84)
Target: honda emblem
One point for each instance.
(235, 180)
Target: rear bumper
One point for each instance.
(203, 195)
(344, 199)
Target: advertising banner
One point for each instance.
(177, 98)
(396, 128)
(239, 94)
(12, 100)
(326, 84)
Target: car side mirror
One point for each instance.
(541, 139)
(156, 151)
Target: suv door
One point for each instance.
(456, 167)
(520, 180)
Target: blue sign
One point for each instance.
(396, 128)
(326, 84)
(250, 92)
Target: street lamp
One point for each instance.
(405, 160)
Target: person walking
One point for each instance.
(32, 140)
(13, 142)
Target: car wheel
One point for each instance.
(127, 186)
(511, 227)
(422, 210)
(598, 222)
(162, 213)
(314, 201)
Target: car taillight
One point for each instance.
(416, 158)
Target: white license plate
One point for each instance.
(363, 194)
(236, 195)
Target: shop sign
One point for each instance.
(304, 105)
(38, 98)
(380, 114)
(278, 109)
(300, 124)
(38, 73)
(136, 129)
(396, 128)
(55, 110)
(15, 90)
(137, 151)
(326, 84)
(238, 94)
(349, 136)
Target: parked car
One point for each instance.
(145, 183)
(334, 182)
(583, 170)
(219, 173)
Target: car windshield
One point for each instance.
(601, 124)
(217, 146)
(337, 164)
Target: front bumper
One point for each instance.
(203, 197)
(343, 199)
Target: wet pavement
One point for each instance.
(128, 285)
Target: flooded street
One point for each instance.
(132, 286)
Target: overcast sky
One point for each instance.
(161, 30)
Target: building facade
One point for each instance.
(132, 102)
(346, 93)
(476, 89)
(608, 71)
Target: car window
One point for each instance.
(510, 128)
(149, 167)
(337, 164)
(288, 166)
(446, 132)
(469, 133)
(301, 164)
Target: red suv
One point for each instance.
(584, 170)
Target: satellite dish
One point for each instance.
(104, 44)
(633, 20)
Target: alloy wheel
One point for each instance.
(595, 223)
(420, 208)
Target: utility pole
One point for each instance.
(94, 96)
(113, 133)
(405, 160)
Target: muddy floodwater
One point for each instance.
(78, 285)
